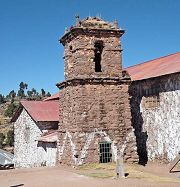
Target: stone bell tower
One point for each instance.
(92, 49)
(95, 117)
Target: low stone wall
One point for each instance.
(93, 112)
(155, 105)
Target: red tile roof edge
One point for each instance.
(141, 63)
(157, 67)
(40, 111)
(17, 113)
(52, 97)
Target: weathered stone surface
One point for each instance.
(79, 54)
(94, 106)
(28, 152)
(157, 123)
(91, 113)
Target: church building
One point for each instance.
(102, 112)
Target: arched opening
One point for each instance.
(97, 55)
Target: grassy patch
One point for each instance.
(98, 166)
(178, 165)
(135, 173)
(100, 175)
(107, 170)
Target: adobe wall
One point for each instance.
(92, 112)
(27, 151)
(79, 57)
(157, 125)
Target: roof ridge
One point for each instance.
(152, 60)
(34, 101)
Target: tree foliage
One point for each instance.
(2, 137)
(10, 138)
(43, 93)
(33, 95)
(10, 110)
(2, 99)
(22, 87)
(48, 94)
(23, 93)
(12, 94)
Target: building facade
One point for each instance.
(32, 146)
(102, 112)
(155, 107)
(95, 117)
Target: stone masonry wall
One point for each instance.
(157, 126)
(92, 113)
(27, 151)
(79, 57)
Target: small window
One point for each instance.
(70, 47)
(151, 98)
(97, 55)
(105, 154)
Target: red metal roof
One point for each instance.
(52, 97)
(154, 68)
(42, 110)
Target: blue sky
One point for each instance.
(30, 29)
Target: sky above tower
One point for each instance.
(30, 29)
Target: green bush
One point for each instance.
(10, 110)
(2, 99)
(10, 138)
(2, 137)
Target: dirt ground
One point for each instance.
(94, 175)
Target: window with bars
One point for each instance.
(105, 154)
(150, 102)
(151, 98)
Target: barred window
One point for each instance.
(105, 154)
(151, 98)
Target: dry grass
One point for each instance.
(97, 170)
(100, 175)
(98, 166)
(178, 165)
(133, 171)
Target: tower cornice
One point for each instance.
(98, 32)
(95, 81)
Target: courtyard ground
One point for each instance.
(92, 175)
